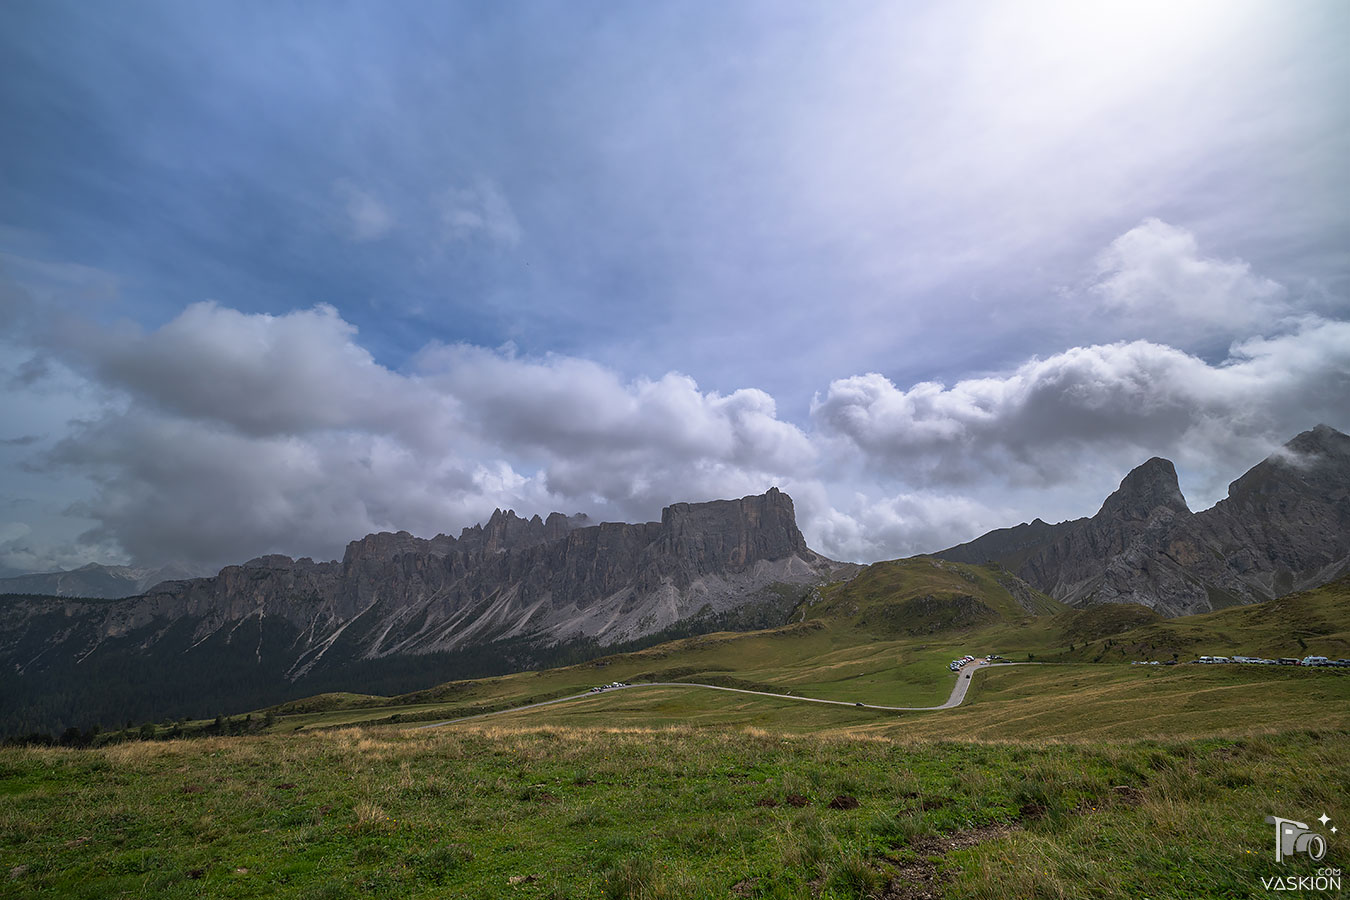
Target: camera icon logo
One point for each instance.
(1296, 837)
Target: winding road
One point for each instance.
(963, 679)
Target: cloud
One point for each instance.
(364, 216)
(229, 434)
(172, 488)
(480, 210)
(1155, 278)
(1042, 422)
(263, 375)
(223, 435)
(23, 550)
(13, 531)
(632, 441)
(871, 525)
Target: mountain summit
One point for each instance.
(1284, 526)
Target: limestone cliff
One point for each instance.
(532, 580)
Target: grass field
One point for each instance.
(659, 813)
(1062, 702)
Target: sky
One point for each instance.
(277, 275)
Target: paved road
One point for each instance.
(963, 679)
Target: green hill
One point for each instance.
(1315, 622)
(927, 595)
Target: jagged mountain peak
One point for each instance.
(1284, 526)
(1320, 441)
(1146, 488)
(1316, 461)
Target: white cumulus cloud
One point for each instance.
(1156, 280)
(1118, 402)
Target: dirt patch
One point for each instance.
(745, 887)
(919, 878)
(844, 801)
(766, 801)
(285, 786)
(1130, 796)
(192, 789)
(796, 800)
(960, 840)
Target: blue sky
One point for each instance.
(275, 275)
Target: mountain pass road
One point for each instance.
(963, 679)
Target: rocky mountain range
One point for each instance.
(1284, 526)
(95, 580)
(399, 611)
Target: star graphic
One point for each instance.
(1324, 818)
(1333, 829)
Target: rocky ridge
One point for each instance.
(1284, 526)
(535, 580)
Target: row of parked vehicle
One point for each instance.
(1282, 661)
(958, 663)
(604, 687)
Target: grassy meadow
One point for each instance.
(680, 812)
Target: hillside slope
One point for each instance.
(1314, 622)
